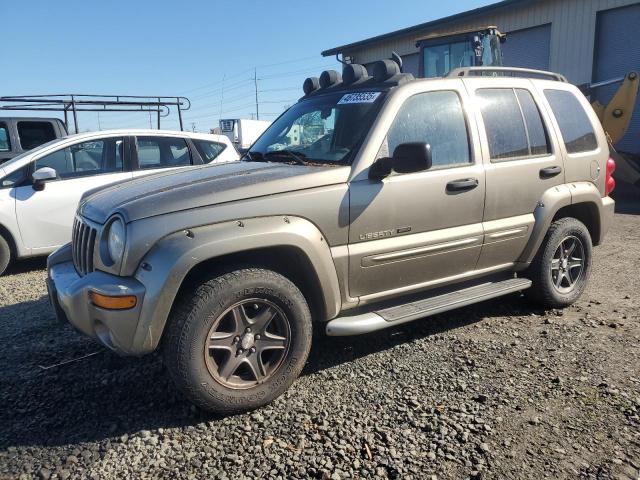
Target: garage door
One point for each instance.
(528, 48)
(618, 52)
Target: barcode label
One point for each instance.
(360, 97)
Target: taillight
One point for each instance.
(609, 181)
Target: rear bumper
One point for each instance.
(606, 217)
(69, 296)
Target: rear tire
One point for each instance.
(5, 255)
(238, 340)
(561, 268)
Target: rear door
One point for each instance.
(409, 231)
(522, 161)
(45, 217)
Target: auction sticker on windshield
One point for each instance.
(360, 97)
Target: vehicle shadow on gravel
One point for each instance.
(105, 396)
(27, 265)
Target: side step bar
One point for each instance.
(388, 317)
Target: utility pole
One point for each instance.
(193, 127)
(224, 76)
(255, 83)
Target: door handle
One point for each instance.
(550, 172)
(462, 185)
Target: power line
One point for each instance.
(264, 66)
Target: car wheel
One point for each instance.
(561, 268)
(5, 254)
(239, 340)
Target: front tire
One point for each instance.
(562, 266)
(238, 341)
(5, 255)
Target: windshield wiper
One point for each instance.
(297, 157)
(250, 156)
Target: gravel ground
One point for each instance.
(499, 390)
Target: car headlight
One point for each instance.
(115, 240)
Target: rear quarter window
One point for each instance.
(575, 126)
(209, 151)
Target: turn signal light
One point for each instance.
(109, 302)
(609, 181)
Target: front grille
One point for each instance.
(226, 125)
(83, 239)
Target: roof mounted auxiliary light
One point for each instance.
(385, 69)
(330, 78)
(310, 85)
(354, 73)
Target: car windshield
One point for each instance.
(326, 129)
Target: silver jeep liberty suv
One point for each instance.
(377, 199)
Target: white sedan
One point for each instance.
(40, 189)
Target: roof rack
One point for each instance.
(74, 103)
(505, 72)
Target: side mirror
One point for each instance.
(412, 157)
(408, 157)
(41, 176)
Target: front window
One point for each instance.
(92, 157)
(435, 118)
(15, 178)
(327, 129)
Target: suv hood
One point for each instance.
(188, 188)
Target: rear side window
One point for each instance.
(34, 134)
(536, 133)
(513, 124)
(5, 143)
(162, 152)
(435, 118)
(575, 127)
(209, 150)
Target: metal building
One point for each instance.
(586, 40)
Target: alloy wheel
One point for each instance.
(247, 343)
(568, 264)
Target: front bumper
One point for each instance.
(69, 295)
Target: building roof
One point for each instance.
(417, 28)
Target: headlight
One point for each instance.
(115, 240)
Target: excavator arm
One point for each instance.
(616, 115)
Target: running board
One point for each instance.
(388, 317)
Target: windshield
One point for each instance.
(439, 60)
(326, 129)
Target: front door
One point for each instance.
(409, 231)
(45, 217)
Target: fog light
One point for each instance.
(108, 302)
